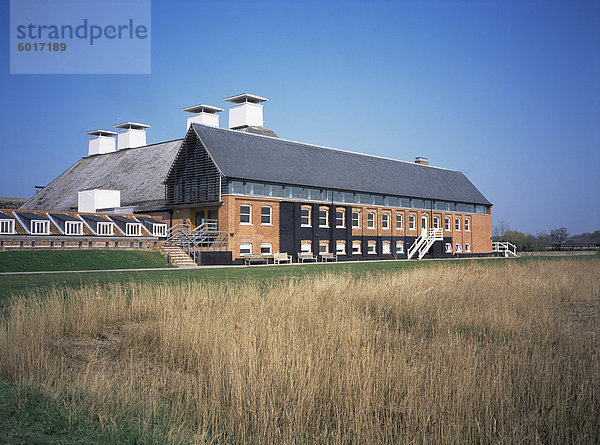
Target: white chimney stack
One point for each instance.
(202, 114)
(132, 135)
(102, 141)
(246, 111)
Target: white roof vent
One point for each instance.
(246, 111)
(133, 134)
(102, 141)
(203, 114)
(94, 199)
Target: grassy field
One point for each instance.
(77, 259)
(455, 352)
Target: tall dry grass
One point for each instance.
(502, 353)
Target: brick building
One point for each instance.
(273, 195)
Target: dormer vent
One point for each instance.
(132, 134)
(246, 111)
(102, 141)
(203, 114)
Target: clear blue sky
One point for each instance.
(507, 92)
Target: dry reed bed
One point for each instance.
(502, 353)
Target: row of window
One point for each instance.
(314, 194)
(42, 227)
(266, 215)
(340, 247)
(340, 220)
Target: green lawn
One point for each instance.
(77, 259)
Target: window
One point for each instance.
(265, 215)
(7, 226)
(306, 246)
(385, 221)
(159, 229)
(447, 226)
(467, 225)
(245, 248)
(371, 248)
(399, 221)
(340, 218)
(457, 224)
(370, 220)
(73, 228)
(40, 227)
(340, 247)
(436, 222)
(467, 247)
(411, 222)
(323, 218)
(245, 214)
(458, 247)
(323, 247)
(399, 246)
(385, 248)
(133, 229)
(104, 228)
(266, 248)
(356, 248)
(305, 217)
(356, 220)
(448, 248)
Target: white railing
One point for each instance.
(504, 247)
(205, 237)
(424, 242)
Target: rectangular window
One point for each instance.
(265, 215)
(340, 218)
(40, 227)
(399, 246)
(356, 248)
(73, 228)
(159, 229)
(245, 214)
(237, 187)
(385, 221)
(385, 248)
(7, 226)
(133, 229)
(306, 246)
(467, 247)
(398, 221)
(323, 246)
(245, 248)
(356, 220)
(323, 218)
(448, 248)
(105, 228)
(411, 222)
(436, 222)
(305, 217)
(371, 247)
(340, 247)
(447, 226)
(457, 224)
(458, 247)
(266, 248)
(370, 220)
(467, 225)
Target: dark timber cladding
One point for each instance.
(193, 178)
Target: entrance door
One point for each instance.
(423, 224)
(205, 215)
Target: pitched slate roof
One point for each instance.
(266, 159)
(137, 172)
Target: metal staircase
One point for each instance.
(205, 237)
(424, 242)
(505, 248)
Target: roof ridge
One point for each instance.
(133, 148)
(323, 147)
